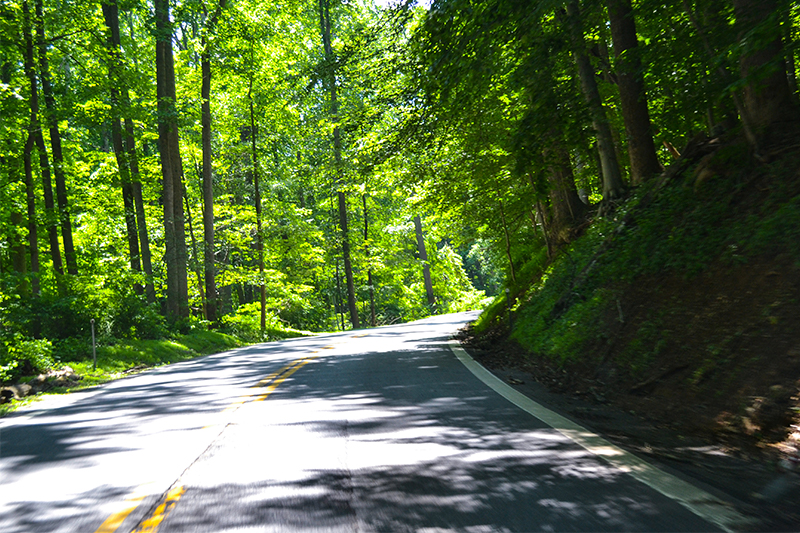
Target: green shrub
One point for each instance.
(116, 308)
(245, 324)
(72, 349)
(25, 357)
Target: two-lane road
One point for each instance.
(373, 430)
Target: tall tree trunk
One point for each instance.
(566, 205)
(50, 213)
(208, 191)
(171, 167)
(111, 18)
(633, 99)
(208, 182)
(423, 257)
(133, 160)
(35, 131)
(257, 201)
(768, 98)
(177, 173)
(325, 24)
(127, 160)
(612, 179)
(141, 221)
(55, 145)
(348, 267)
(30, 195)
(369, 268)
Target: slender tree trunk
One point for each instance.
(133, 160)
(171, 167)
(633, 99)
(225, 292)
(163, 47)
(348, 267)
(339, 303)
(35, 131)
(112, 43)
(127, 160)
(259, 236)
(423, 257)
(55, 145)
(767, 95)
(208, 190)
(612, 179)
(195, 265)
(325, 24)
(369, 269)
(50, 213)
(30, 195)
(507, 237)
(208, 182)
(141, 221)
(177, 173)
(130, 216)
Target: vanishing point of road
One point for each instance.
(389, 429)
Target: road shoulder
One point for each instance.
(724, 489)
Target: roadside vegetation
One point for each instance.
(32, 367)
(620, 176)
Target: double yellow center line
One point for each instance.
(168, 501)
(272, 381)
(162, 510)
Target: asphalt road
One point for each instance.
(373, 430)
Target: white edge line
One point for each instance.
(698, 501)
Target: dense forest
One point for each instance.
(256, 167)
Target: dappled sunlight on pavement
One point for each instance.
(377, 430)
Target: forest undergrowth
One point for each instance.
(681, 305)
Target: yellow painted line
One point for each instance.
(166, 506)
(299, 364)
(281, 373)
(275, 374)
(113, 522)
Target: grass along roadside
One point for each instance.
(126, 357)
